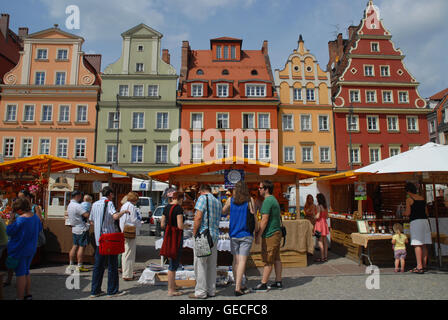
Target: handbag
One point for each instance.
(110, 243)
(172, 239)
(203, 242)
(250, 221)
(129, 231)
(283, 229)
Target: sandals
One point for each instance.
(321, 260)
(417, 271)
(175, 294)
(239, 293)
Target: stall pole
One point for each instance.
(297, 197)
(439, 251)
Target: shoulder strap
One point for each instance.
(106, 203)
(169, 215)
(208, 212)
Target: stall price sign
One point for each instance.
(231, 177)
(360, 191)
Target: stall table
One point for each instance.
(299, 243)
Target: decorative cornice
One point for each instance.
(382, 110)
(378, 84)
(378, 56)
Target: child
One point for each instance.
(87, 205)
(399, 241)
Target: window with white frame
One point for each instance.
(196, 151)
(138, 90)
(62, 150)
(42, 54)
(8, 147)
(137, 154)
(248, 121)
(385, 71)
(80, 148)
(60, 78)
(355, 96)
(64, 113)
(196, 121)
(249, 151)
(324, 154)
(123, 90)
(264, 152)
(196, 90)
(305, 122)
(393, 151)
(62, 54)
(264, 121)
(153, 90)
(392, 123)
(387, 97)
(114, 120)
(139, 67)
(222, 150)
(355, 155)
(47, 113)
(162, 120)
(432, 126)
(27, 144)
(218, 52)
(233, 52)
(226, 52)
(403, 97)
(223, 90)
(370, 96)
(324, 123)
(28, 113)
(256, 90)
(297, 94)
(372, 123)
(368, 71)
(162, 153)
(111, 154)
(352, 123)
(138, 120)
(289, 154)
(307, 154)
(40, 79)
(11, 112)
(81, 114)
(412, 123)
(375, 154)
(222, 120)
(288, 122)
(375, 47)
(44, 146)
(310, 95)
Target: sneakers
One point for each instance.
(82, 269)
(101, 293)
(276, 285)
(118, 294)
(261, 287)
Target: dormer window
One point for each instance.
(256, 90)
(225, 72)
(226, 52)
(196, 90)
(223, 90)
(233, 52)
(254, 72)
(200, 72)
(218, 52)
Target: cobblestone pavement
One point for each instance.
(339, 279)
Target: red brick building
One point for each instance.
(229, 90)
(378, 111)
(10, 45)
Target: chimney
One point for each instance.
(184, 61)
(4, 24)
(351, 31)
(264, 49)
(23, 32)
(166, 56)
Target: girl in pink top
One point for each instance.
(322, 227)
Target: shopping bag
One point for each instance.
(111, 244)
(171, 240)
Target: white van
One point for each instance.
(146, 207)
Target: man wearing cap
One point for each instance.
(77, 216)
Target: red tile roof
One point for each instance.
(226, 39)
(439, 95)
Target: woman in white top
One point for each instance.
(128, 257)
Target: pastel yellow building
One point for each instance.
(306, 138)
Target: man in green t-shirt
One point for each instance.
(270, 231)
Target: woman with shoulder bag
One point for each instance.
(243, 224)
(128, 225)
(173, 217)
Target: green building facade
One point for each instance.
(143, 84)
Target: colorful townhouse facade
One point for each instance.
(438, 118)
(48, 100)
(229, 104)
(306, 139)
(378, 111)
(137, 135)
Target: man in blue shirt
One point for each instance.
(205, 267)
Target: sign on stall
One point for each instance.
(64, 182)
(360, 191)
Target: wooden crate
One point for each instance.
(179, 283)
(290, 259)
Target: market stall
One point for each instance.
(218, 173)
(53, 179)
(375, 194)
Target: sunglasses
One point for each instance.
(260, 188)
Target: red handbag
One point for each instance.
(171, 240)
(111, 244)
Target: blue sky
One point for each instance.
(419, 28)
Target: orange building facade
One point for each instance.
(48, 100)
(228, 102)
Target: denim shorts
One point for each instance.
(80, 240)
(241, 246)
(174, 263)
(23, 267)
